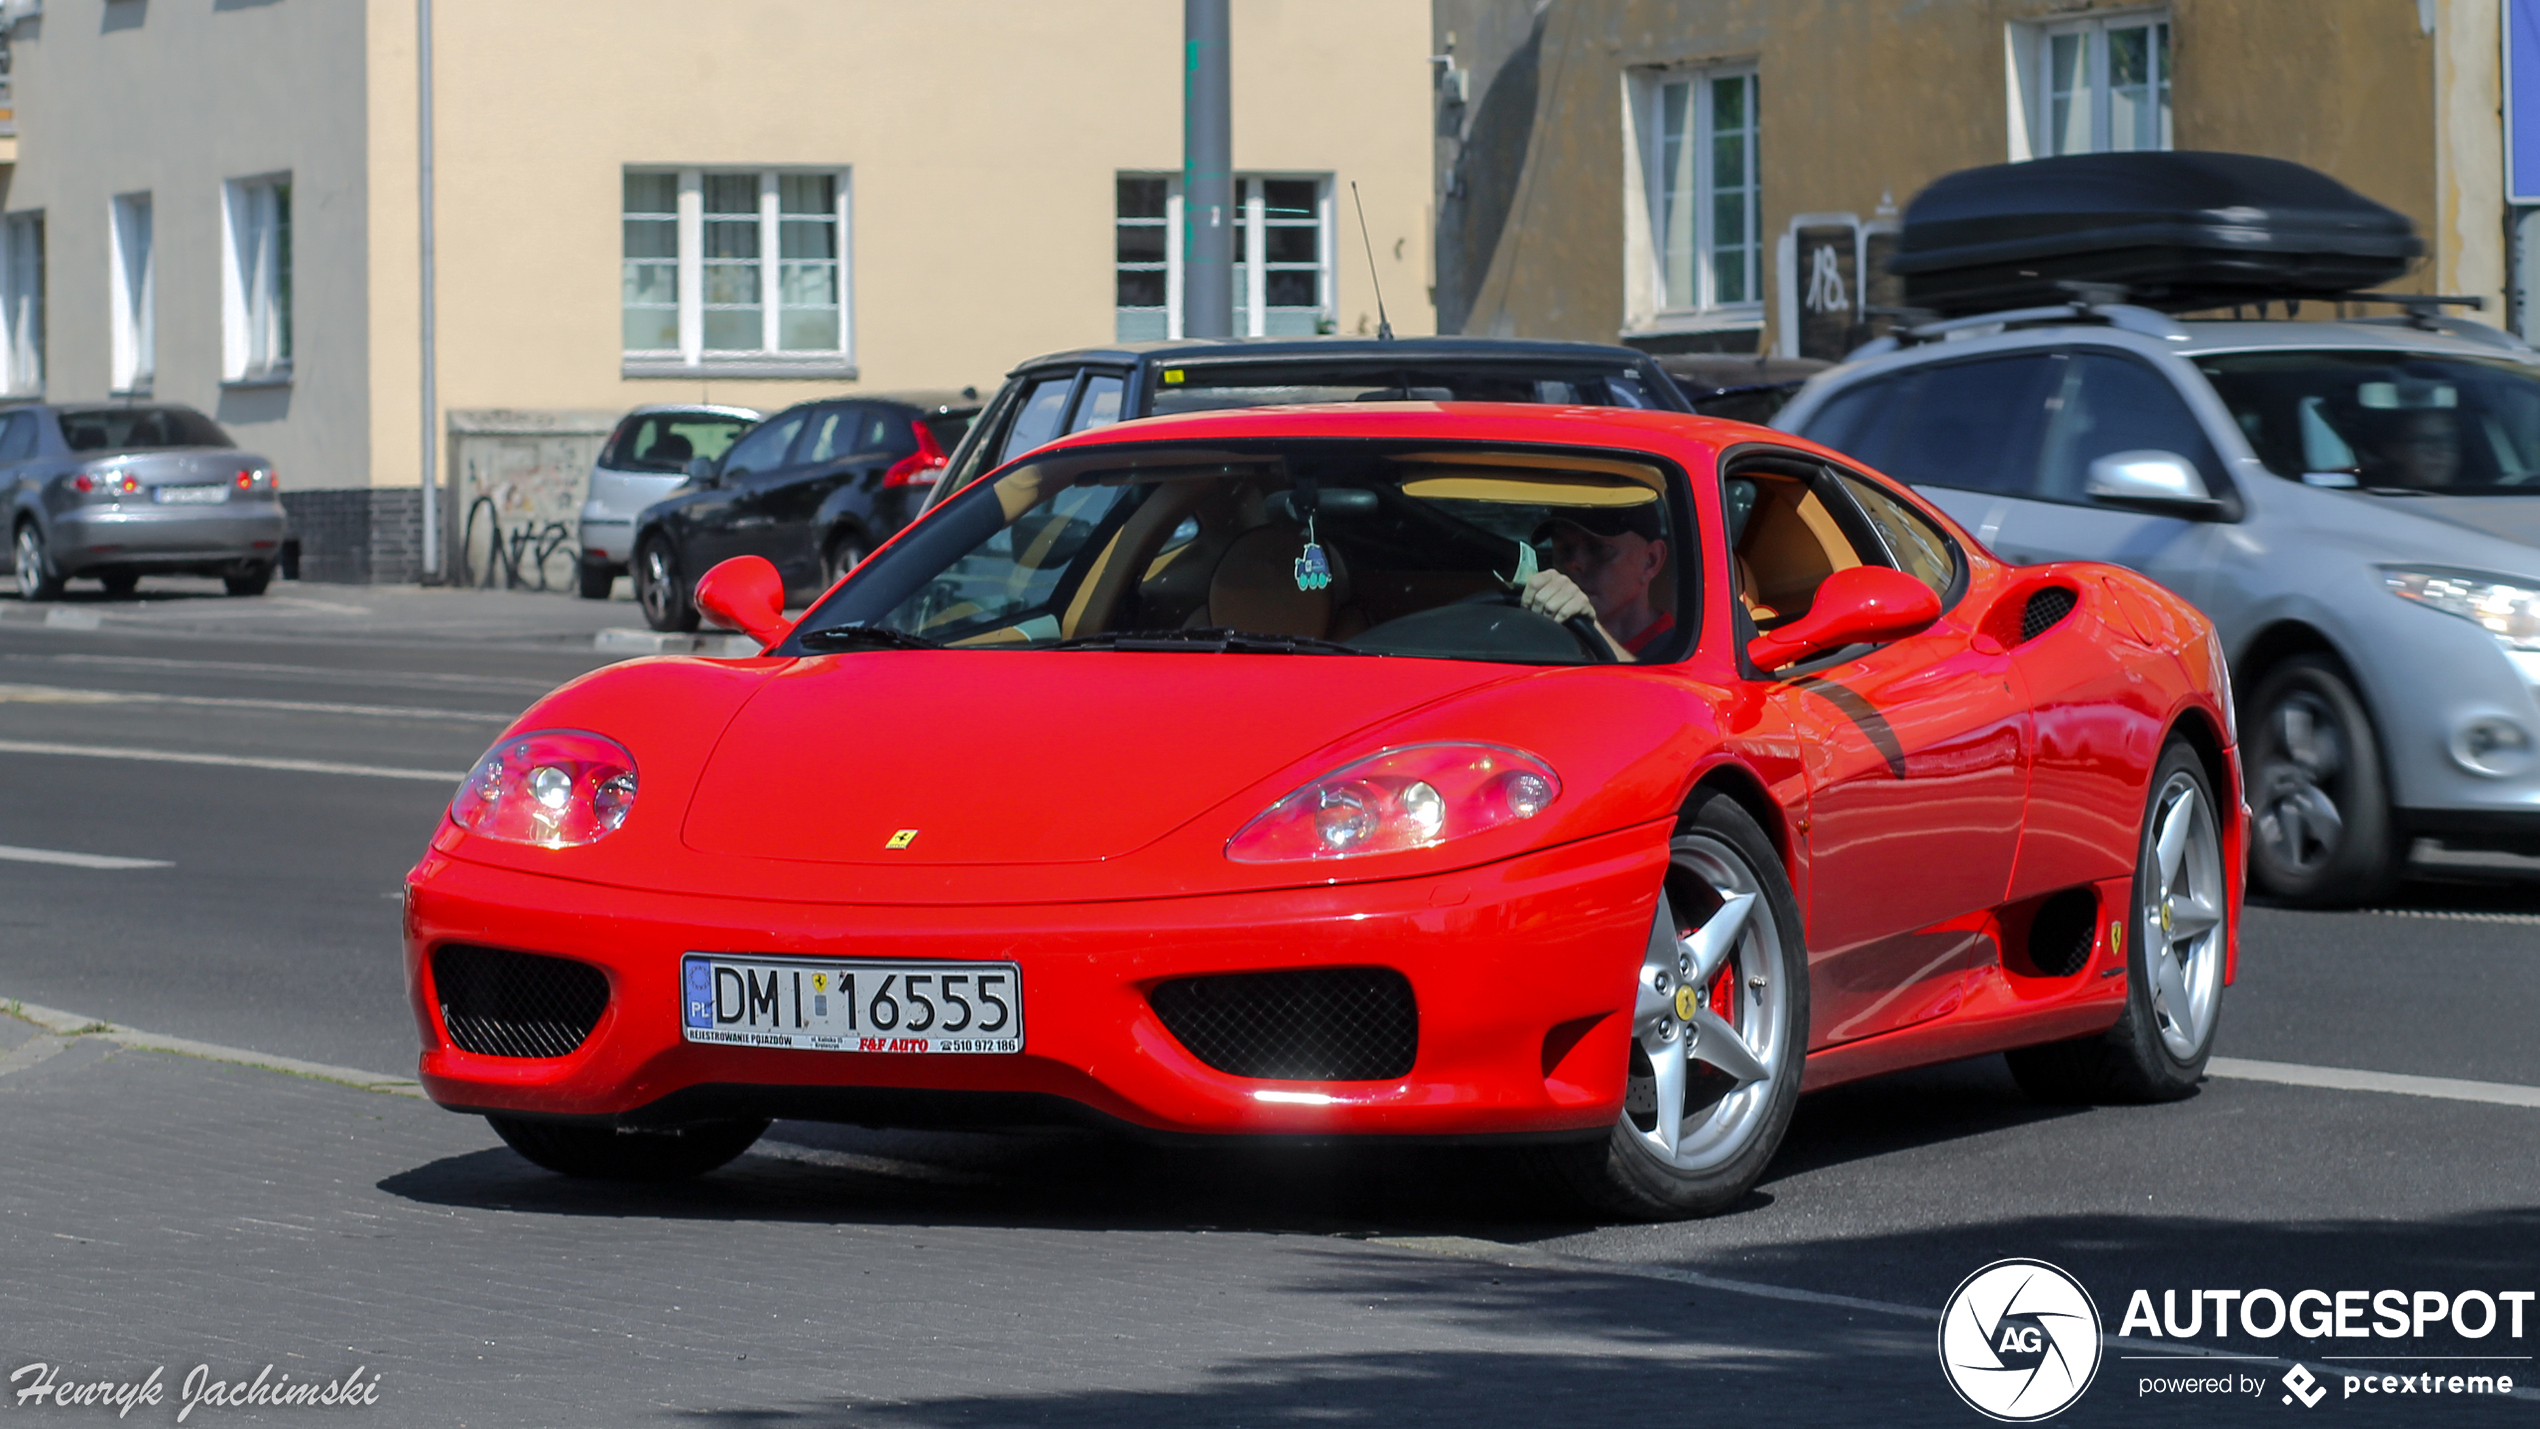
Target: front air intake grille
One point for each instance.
(1318, 1025)
(2046, 605)
(506, 1004)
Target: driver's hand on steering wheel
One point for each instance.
(1555, 596)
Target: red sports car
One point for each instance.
(1271, 787)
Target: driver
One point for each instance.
(1603, 561)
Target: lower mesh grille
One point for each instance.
(2045, 607)
(505, 1004)
(1322, 1024)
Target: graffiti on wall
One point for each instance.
(519, 495)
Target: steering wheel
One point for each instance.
(1581, 627)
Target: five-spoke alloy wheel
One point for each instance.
(661, 589)
(36, 580)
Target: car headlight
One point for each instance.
(2508, 610)
(553, 787)
(1407, 798)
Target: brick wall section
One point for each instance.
(357, 536)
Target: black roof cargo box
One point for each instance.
(2177, 231)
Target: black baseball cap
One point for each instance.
(1640, 519)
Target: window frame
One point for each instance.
(132, 301)
(256, 298)
(1251, 288)
(692, 358)
(2030, 48)
(1706, 308)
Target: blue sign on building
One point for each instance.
(2522, 101)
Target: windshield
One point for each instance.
(1297, 546)
(2387, 421)
(1200, 388)
(138, 429)
(666, 441)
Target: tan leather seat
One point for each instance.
(1254, 587)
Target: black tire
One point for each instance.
(844, 552)
(119, 583)
(2134, 1061)
(34, 566)
(605, 1153)
(661, 586)
(593, 580)
(2323, 835)
(1621, 1173)
(250, 581)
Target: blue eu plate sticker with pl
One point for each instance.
(700, 997)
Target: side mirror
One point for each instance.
(1865, 604)
(2163, 482)
(745, 594)
(701, 470)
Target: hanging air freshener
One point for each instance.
(1313, 571)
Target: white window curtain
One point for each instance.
(256, 281)
(1705, 189)
(2102, 86)
(133, 280)
(1284, 219)
(735, 270)
(22, 303)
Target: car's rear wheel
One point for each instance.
(2177, 937)
(2322, 837)
(119, 583)
(593, 580)
(661, 589)
(607, 1153)
(36, 580)
(249, 579)
(1719, 1032)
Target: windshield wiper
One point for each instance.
(861, 635)
(1216, 639)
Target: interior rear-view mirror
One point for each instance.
(2160, 481)
(746, 594)
(1862, 605)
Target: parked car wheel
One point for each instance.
(594, 580)
(603, 1153)
(1718, 1032)
(120, 583)
(844, 553)
(2176, 942)
(250, 579)
(2322, 837)
(661, 589)
(36, 580)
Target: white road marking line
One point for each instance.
(155, 662)
(73, 1025)
(2343, 1079)
(64, 695)
(232, 761)
(78, 860)
(2456, 915)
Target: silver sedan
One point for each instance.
(120, 492)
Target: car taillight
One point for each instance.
(256, 478)
(1406, 798)
(555, 788)
(921, 467)
(105, 483)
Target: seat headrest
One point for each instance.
(671, 446)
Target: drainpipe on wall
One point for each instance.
(1208, 179)
(431, 574)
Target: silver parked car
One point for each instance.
(2356, 504)
(644, 460)
(121, 492)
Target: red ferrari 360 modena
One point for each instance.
(1217, 774)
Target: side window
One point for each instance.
(1100, 406)
(2104, 404)
(1783, 543)
(1036, 421)
(1918, 547)
(1848, 423)
(840, 432)
(767, 443)
(1964, 424)
(17, 441)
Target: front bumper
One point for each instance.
(1523, 973)
(139, 534)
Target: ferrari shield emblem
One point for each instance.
(900, 839)
(1688, 1001)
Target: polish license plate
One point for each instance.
(188, 495)
(851, 1005)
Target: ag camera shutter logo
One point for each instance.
(2019, 1340)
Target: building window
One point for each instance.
(256, 281)
(22, 303)
(1287, 220)
(1706, 192)
(2092, 86)
(134, 289)
(735, 271)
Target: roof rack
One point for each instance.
(2092, 303)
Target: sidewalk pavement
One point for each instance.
(176, 605)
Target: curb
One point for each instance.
(72, 1024)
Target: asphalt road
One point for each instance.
(1390, 1287)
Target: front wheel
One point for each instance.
(607, 1153)
(843, 554)
(2322, 837)
(1719, 1032)
(2177, 934)
(660, 588)
(36, 579)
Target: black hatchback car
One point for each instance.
(1048, 397)
(814, 489)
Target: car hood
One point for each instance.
(960, 758)
(2511, 518)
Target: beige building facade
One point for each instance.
(754, 202)
(1726, 175)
